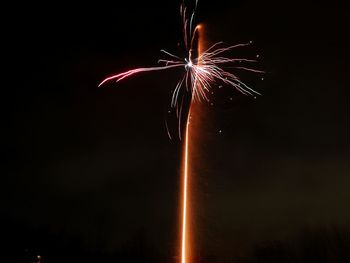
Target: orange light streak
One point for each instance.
(185, 183)
(185, 206)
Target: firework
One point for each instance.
(201, 73)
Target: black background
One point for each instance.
(89, 173)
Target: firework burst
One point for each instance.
(202, 72)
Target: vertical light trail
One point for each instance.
(185, 246)
(185, 185)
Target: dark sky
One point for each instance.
(94, 167)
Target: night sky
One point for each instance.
(90, 174)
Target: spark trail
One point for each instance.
(201, 72)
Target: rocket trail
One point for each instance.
(184, 237)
